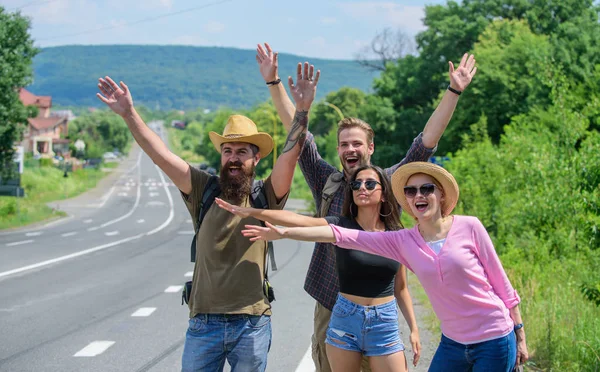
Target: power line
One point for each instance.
(135, 22)
(30, 4)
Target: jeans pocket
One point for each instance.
(341, 311)
(197, 325)
(258, 321)
(389, 316)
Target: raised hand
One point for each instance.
(267, 62)
(238, 211)
(118, 98)
(263, 233)
(305, 89)
(461, 77)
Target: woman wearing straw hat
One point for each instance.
(455, 261)
(365, 317)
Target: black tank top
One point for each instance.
(360, 273)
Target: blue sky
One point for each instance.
(327, 29)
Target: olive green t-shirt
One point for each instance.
(229, 269)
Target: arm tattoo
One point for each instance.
(297, 134)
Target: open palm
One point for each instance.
(267, 62)
(238, 211)
(305, 89)
(462, 76)
(268, 233)
(117, 98)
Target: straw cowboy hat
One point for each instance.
(241, 129)
(442, 176)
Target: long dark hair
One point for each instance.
(389, 212)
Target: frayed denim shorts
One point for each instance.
(370, 330)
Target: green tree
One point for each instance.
(16, 54)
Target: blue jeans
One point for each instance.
(370, 330)
(498, 355)
(243, 340)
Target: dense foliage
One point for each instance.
(101, 131)
(174, 77)
(16, 53)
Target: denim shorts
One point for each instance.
(370, 330)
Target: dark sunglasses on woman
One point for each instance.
(425, 189)
(369, 185)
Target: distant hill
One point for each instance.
(180, 77)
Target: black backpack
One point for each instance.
(258, 199)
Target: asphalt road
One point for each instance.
(100, 291)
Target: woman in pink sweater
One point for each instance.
(455, 261)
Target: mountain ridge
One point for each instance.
(176, 76)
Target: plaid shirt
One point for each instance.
(322, 281)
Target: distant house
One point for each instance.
(43, 133)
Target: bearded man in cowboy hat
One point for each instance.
(229, 310)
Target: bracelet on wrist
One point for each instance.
(457, 92)
(274, 82)
(518, 326)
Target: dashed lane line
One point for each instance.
(173, 289)
(144, 311)
(69, 234)
(93, 349)
(19, 243)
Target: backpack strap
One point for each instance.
(211, 191)
(334, 181)
(258, 199)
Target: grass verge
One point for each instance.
(43, 185)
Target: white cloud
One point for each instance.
(385, 13)
(328, 20)
(213, 27)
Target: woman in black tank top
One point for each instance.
(365, 317)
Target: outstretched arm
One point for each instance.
(308, 234)
(459, 80)
(118, 99)
(268, 65)
(304, 92)
(275, 217)
(406, 306)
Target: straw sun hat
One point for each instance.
(241, 129)
(442, 176)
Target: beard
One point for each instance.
(349, 170)
(236, 188)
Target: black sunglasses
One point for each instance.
(425, 189)
(369, 185)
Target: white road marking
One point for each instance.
(72, 255)
(36, 233)
(173, 289)
(94, 348)
(144, 311)
(93, 228)
(172, 209)
(189, 274)
(19, 243)
(154, 194)
(152, 188)
(88, 221)
(95, 249)
(122, 194)
(154, 203)
(126, 188)
(140, 221)
(111, 233)
(306, 364)
(188, 221)
(69, 233)
(153, 184)
(186, 232)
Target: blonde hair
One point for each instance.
(347, 123)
